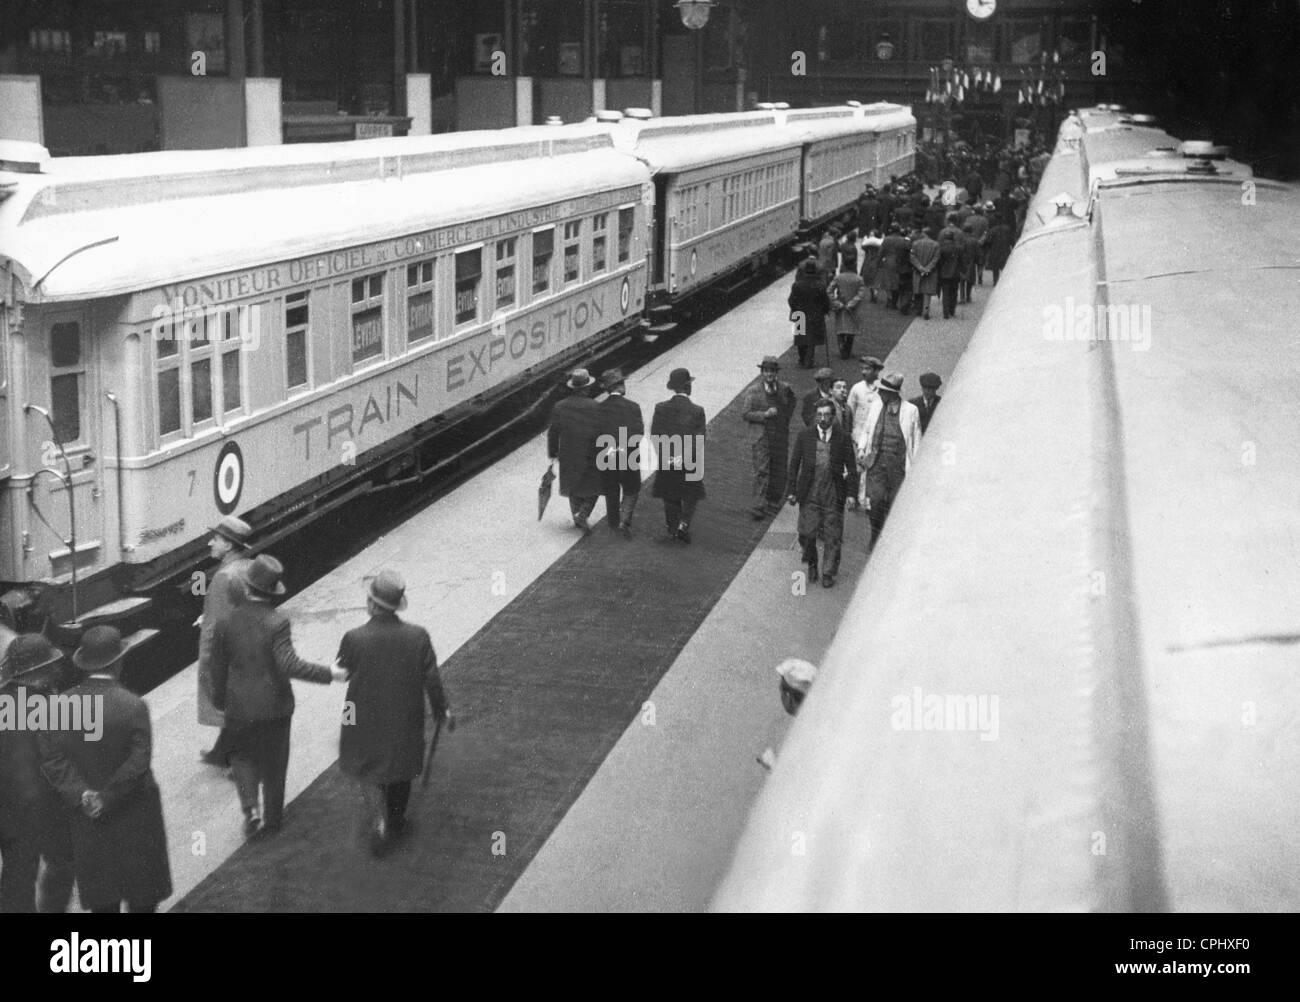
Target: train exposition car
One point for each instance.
(266, 330)
(1066, 680)
(273, 332)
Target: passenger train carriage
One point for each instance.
(272, 332)
(1066, 679)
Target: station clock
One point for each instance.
(981, 10)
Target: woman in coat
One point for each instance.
(849, 251)
(809, 305)
(999, 248)
(846, 294)
(871, 262)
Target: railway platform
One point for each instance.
(611, 695)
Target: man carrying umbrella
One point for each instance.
(392, 669)
(575, 426)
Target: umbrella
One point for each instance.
(433, 746)
(544, 490)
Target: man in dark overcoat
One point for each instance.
(928, 401)
(621, 430)
(104, 775)
(809, 304)
(678, 429)
(575, 426)
(229, 546)
(34, 825)
(252, 661)
(823, 477)
(769, 404)
(391, 669)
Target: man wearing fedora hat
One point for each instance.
(228, 545)
(392, 668)
(886, 448)
(621, 430)
(769, 404)
(678, 430)
(575, 426)
(119, 842)
(252, 662)
(33, 823)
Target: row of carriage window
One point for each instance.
(201, 372)
(710, 204)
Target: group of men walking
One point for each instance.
(855, 449)
(84, 803)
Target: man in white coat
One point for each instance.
(886, 448)
(863, 393)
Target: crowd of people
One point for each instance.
(79, 803)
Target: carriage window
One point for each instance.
(572, 250)
(367, 317)
(543, 251)
(419, 301)
(506, 284)
(66, 372)
(469, 275)
(169, 400)
(236, 328)
(295, 339)
(599, 239)
(625, 217)
(199, 335)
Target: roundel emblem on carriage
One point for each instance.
(228, 480)
(693, 260)
(625, 295)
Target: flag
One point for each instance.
(997, 84)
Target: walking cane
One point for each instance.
(433, 746)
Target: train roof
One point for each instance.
(1114, 581)
(673, 145)
(75, 234)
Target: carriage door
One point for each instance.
(659, 235)
(68, 395)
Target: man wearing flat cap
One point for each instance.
(678, 431)
(621, 430)
(769, 405)
(105, 779)
(886, 448)
(392, 669)
(824, 378)
(928, 401)
(228, 546)
(33, 823)
(575, 426)
(252, 662)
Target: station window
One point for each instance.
(367, 317)
(599, 240)
(543, 251)
(296, 311)
(506, 283)
(625, 220)
(469, 275)
(572, 251)
(67, 371)
(419, 301)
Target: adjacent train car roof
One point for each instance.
(674, 145)
(73, 235)
(1066, 680)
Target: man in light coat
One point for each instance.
(886, 448)
(769, 404)
(863, 394)
(229, 545)
(392, 668)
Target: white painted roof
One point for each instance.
(145, 245)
